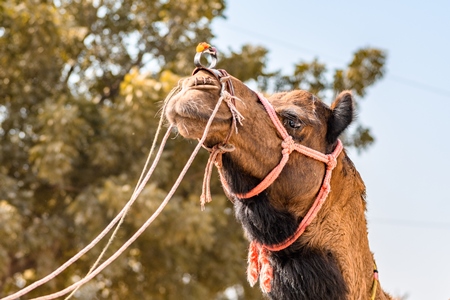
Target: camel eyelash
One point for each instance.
(292, 117)
(298, 116)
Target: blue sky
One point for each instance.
(406, 171)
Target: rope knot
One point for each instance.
(230, 100)
(215, 157)
(332, 161)
(288, 145)
(223, 148)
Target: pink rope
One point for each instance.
(253, 264)
(288, 145)
(273, 116)
(258, 262)
(265, 279)
(270, 178)
(320, 200)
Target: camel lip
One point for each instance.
(190, 109)
(203, 87)
(185, 126)
(179, 116)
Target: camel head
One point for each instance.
(311, 266)
(257, 144)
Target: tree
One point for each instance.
(81, 85)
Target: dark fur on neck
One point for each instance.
(300, 271)
(261, 221)
(306, 273)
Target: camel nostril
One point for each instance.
(202, 83)
(202, 80)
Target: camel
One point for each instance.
(330, 258)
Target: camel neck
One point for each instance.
(341, 228)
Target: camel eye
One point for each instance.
(292, 123)
(291, 120)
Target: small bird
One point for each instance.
(202, 47)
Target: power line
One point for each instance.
(420, 85)
(282, 42)
(393, 77)
(411, 223)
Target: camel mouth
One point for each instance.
(203, 86)
(196, 104)
(188, 115)
(191, 107)
(192, 126)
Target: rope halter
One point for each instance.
(259, 264)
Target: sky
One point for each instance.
(408, 111)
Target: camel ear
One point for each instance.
(342, 115)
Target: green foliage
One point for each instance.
(252, 57)
(78, 112)
(364, 70)
(307, 76)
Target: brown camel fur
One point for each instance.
(332, 259)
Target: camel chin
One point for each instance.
(188, 128)
(194, 129)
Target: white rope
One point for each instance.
(120, 217)
(93, 272)
(99, 237)
(155, 162)
(147, 223)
